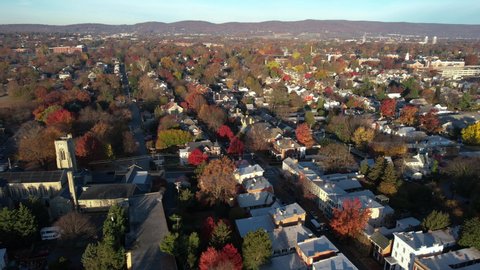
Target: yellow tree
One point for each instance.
(471, 134)
(362, 135)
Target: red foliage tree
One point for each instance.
(430, 123)
(195, 101)
(227, 258)
(60, 116)
(88, 147)
(387, 108)
(408, 115)
(328, 91)
(351, 219)
(236, 146)
(208, 227)
(196, 157)
(225, 132)
(287, 78)
(304, 135)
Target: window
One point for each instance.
(62, 154)
(403, 250)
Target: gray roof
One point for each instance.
(255, 199)
(256, 183)
(108, 191)
(148, 226)
(453, 259)
(286, 262)
(246, 225)
(288, 237)
(33, 176)
(286, 212)
(312, 246)
(249, 169)
(380, 240)
(339, 262)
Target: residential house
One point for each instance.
(211, 149)
(285, 239)
(338, 262)
(463, 259)
(257, 184)
(287, 147)
(249, 201)
(285, 262)
(417, 166)
(409, 245)
(246, 172)
(316, 249)
(288, 215)
(172, 108)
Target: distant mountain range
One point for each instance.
(319, 28)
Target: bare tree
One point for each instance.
(75, 227)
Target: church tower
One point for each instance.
(65, 152)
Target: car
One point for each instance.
(319, 226)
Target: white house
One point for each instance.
(250, 171)
(408, 245)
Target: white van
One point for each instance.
(319, 227)
(50, 233)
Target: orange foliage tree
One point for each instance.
(387, 108)
(430, 123)
(304, 135)
(408, 115)
(351, 219)
(216, 183)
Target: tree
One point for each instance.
(130, 145)
(256, 249)
(18, 226)
(336, 158)
(470, 233)
(408, 115)
(61, 116)
(257, 137)
(236, 147)
(102, 256)
(75, 227)
(389, 183)
(376, 171)
(387, 108)
(30, 150)
(309, 118)
(114, 226)
(363, 136)
(364, 168)
(171, 245)
(221, 235)
(172, 137)
(226, 259)
(350, 219)
(471, 134)
(213, 116)
(88, 147)
(436, 220)
(216, 183)
(430, 123)
(304, 135)
(225, 132)
(471, 59)
(197, 157)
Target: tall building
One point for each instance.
(434, 40)
(426, 40)
(407, 56)
(65, 152)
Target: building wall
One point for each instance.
(405, 255)
(99, 203)
(295, 219)
(19, 191)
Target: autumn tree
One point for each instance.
(304, 135)
(226, 258)
(88, 148)
(257, 137)
(430, 122)
(336, 157)
(197, 157)
(195, 101)
(172, 137)
(350, 219)
(30, 150)
(75, 227)
(471, 59)
(408, 115)
(225, 132)
(387, 108)
(236, 147)
(216, 183)
(130, 145)
(213, 116)
(471, 134)
(362, 136)
(436, 220)
(256, 249)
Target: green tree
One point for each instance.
(389, 183)
(172, 137)
(221, 235)
(436, 220)
(470, 234)
(39, 210)
(364, 168)
(193, 243)
(376, 171)
(114, 226)
(309, 118)
(256, 249)
(170, 244)
(102, 256)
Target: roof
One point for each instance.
(419, 239)
(256, 183)
(286, 262)
(453, 260)
(380, 240)
(313, 246)
(246, 225)
(288, 237)
(255, 199)
(33, 176)
(339, 262)
(249, 169)
(265, 210)
(286, 212)
(148, 226)
(108, 191)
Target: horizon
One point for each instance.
(123, 12)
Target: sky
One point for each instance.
(63, 12)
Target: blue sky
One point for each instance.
(134, 11)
